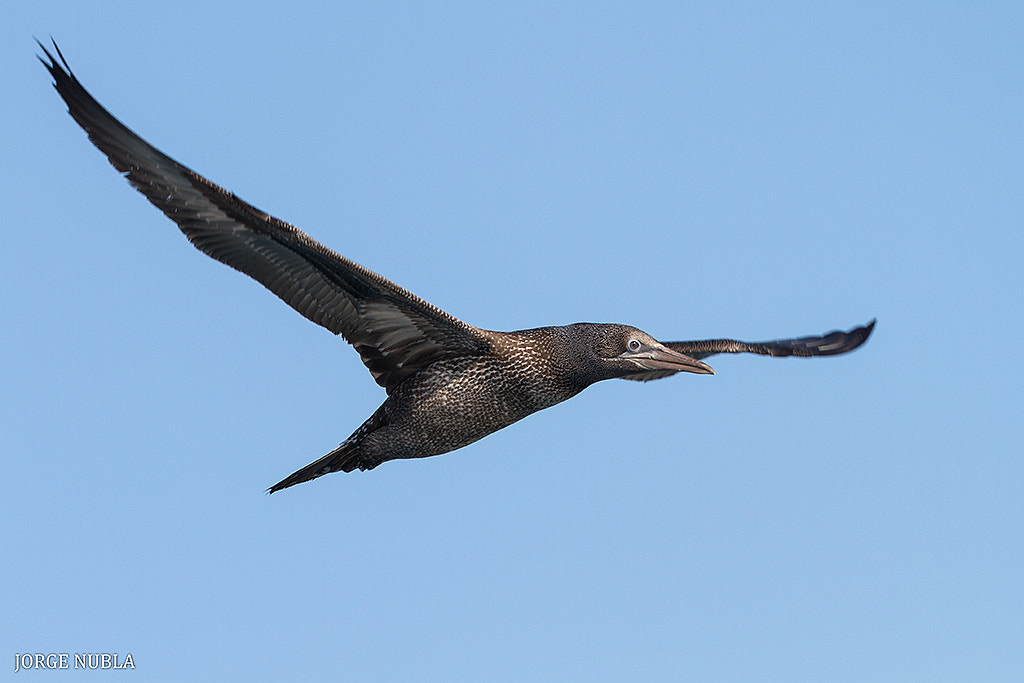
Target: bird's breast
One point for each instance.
(458, 401)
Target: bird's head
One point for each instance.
(629, 353)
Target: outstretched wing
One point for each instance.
(395, 332)
(830, 344)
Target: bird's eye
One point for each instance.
(633, 345)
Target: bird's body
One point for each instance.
(456, 402)
(448, 383)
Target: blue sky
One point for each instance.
(696, 170)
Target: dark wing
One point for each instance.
(830, 344)
(395, 332)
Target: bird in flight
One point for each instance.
(448, 383)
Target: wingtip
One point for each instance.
(52, 63)
(859, 335)
(56, 65)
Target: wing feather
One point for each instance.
(830, 344)
(395, 332)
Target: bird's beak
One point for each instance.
(658, 357)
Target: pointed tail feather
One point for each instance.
(343, 458)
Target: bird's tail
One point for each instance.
(343, 458)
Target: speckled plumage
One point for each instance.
(448, 383)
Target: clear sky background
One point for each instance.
(697, 170)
